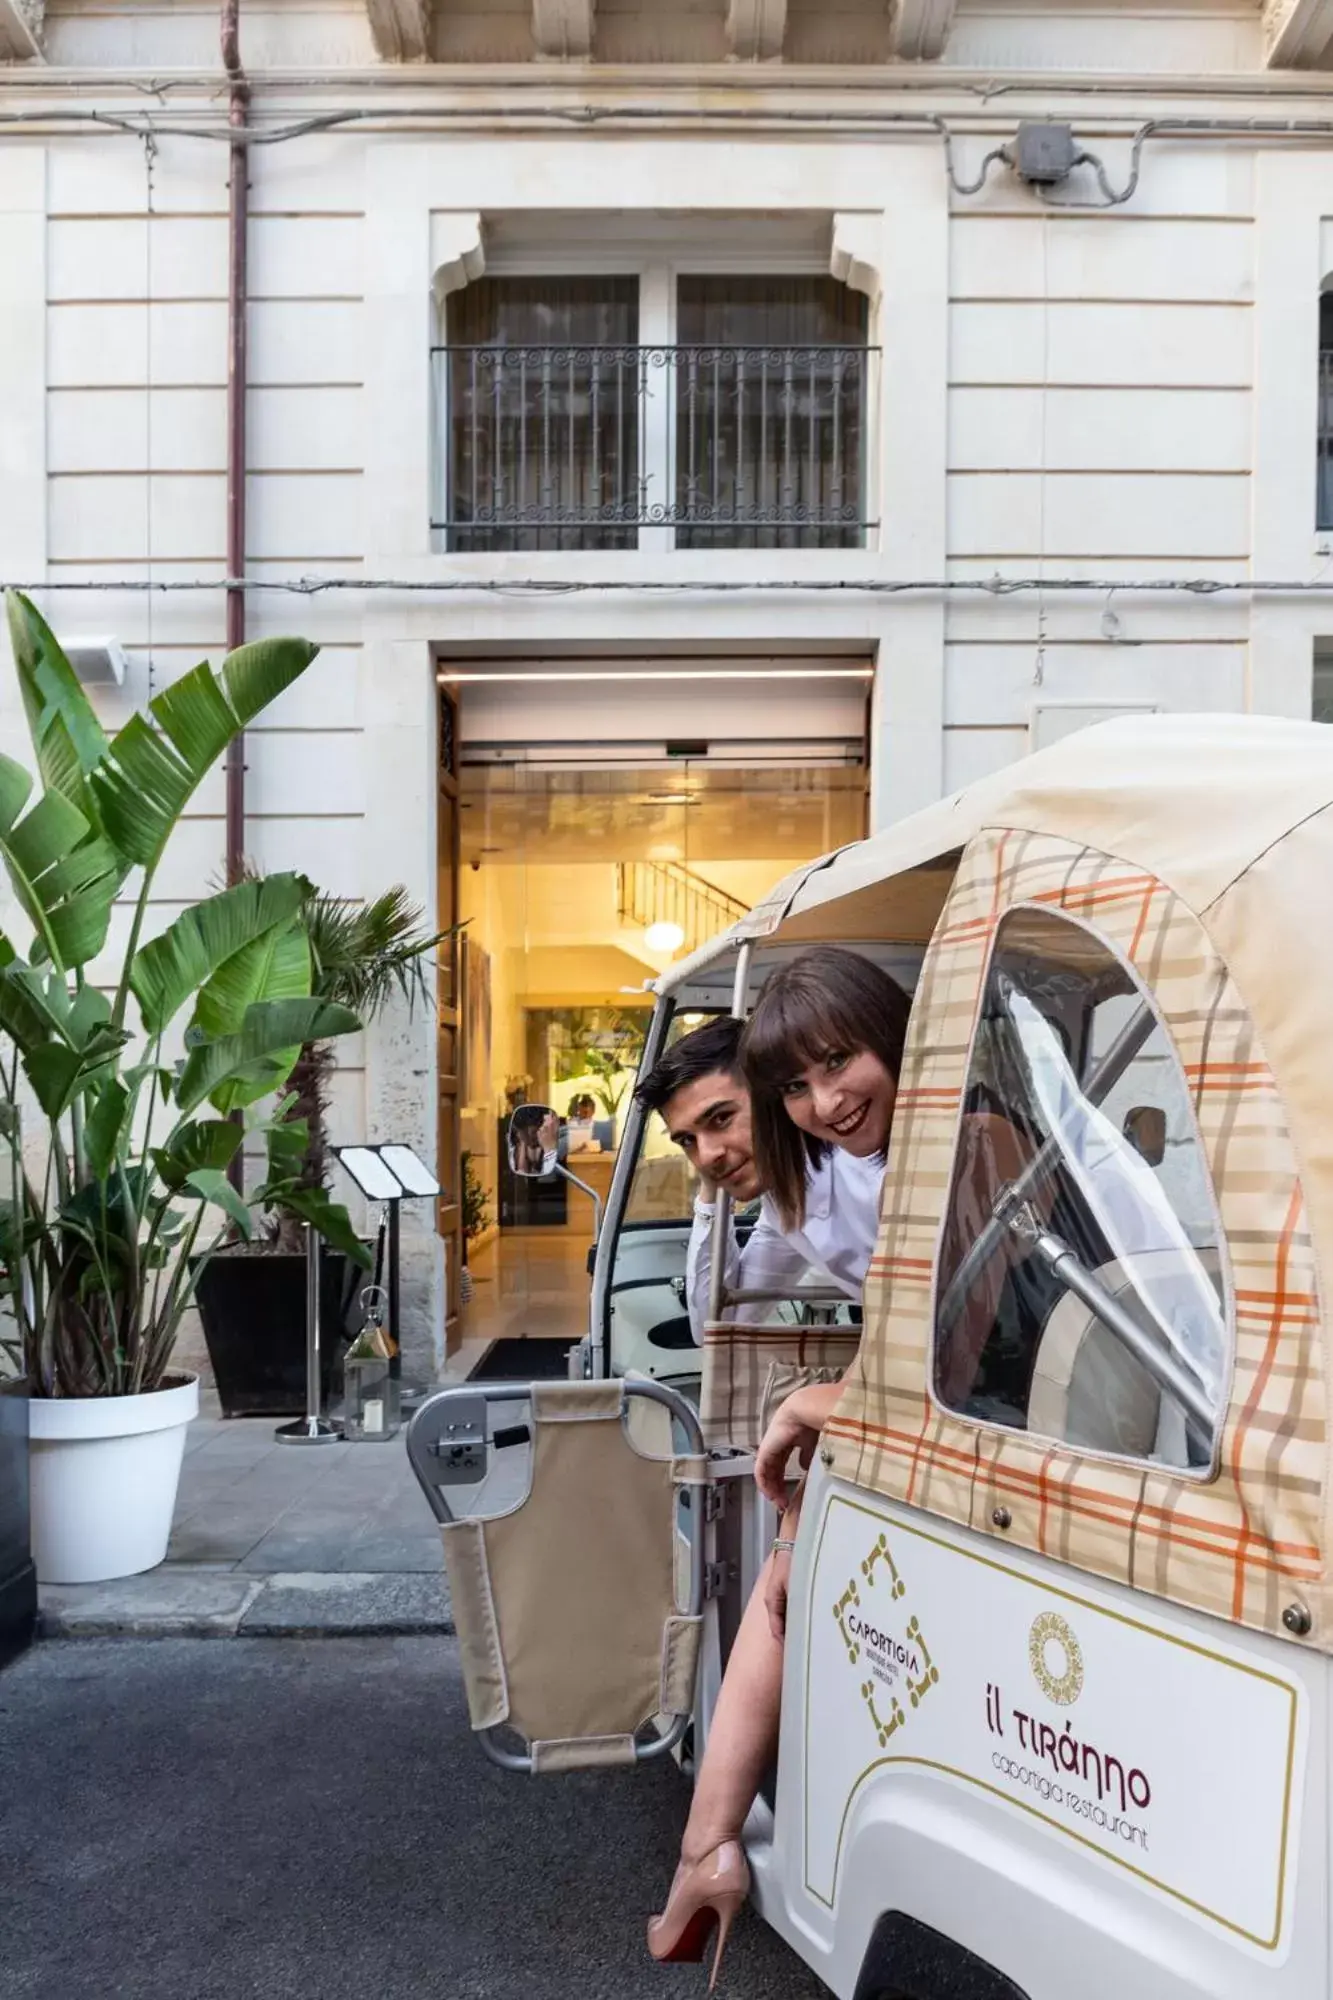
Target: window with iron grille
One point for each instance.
(1325, 413)
(770, 409)
(560, 429)
(543, 414)
(1321, 705)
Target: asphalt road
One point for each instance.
(243, 1817)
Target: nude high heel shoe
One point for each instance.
(710, 1892)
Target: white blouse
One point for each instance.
(835, 1241)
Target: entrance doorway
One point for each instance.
(602, 835)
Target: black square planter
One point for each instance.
(253, 1312)
(18, 1578)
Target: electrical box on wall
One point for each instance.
(1043, 154)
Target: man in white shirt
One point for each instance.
(700, 1091)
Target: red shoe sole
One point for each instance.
(692, 1943)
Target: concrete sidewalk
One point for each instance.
(279, 1540)
(276, 1539)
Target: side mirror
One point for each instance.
(1145, 1129)
(535, 1140)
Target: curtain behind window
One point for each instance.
(1323, 519)
(543, 414)
(770, 412)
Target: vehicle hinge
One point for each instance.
(717, 1578)
(715, 1502)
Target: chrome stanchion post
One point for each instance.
(312, 1428)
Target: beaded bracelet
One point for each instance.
(783, 1548)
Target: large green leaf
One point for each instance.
(149, 774)
(67, 737)
(196, 951)
(23, 1015)
(223, 1071)
(64, 879)
(105, 1127)
(287, 1143)
(328, 1218)
(275, 966)
(208, 1143)
(59, 1074)
(214, 1186)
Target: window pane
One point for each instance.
(770, 412)
(542, 387)
(1323, 519)
(1321, 709)
(1080, 1287)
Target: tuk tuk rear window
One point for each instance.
(1081, 1294)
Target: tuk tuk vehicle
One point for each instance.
(1056, 1699)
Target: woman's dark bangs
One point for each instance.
(798, 1028)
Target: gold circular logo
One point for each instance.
(1056, 1659)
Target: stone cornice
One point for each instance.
(562, 29)
(921, 28)
(400, 29)
(1297, 33)
(756, 29)
(21, 29)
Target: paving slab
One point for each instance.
(318, 1605)
(179, 1603)
(163, 1604)
(282, 1542)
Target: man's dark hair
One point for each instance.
(711, 1050)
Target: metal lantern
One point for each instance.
(371, 1390)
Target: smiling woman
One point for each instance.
(822, 1053)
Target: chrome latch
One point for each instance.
(461, 1444)
(717, 1578)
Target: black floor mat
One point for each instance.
(525, 1361)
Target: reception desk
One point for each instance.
(595, 1170)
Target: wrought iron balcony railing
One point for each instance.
(1323, 495)
(713, 447)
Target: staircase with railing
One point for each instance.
(664, 892)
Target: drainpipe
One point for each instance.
(237, 220)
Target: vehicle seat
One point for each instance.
(568, 1607)
(748, 1370)
(1088, 1390)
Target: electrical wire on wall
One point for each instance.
(1039, 662)
(995, 585)
(149, 159)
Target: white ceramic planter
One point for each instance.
(103, 1476)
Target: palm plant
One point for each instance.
(117, 1157)
(361, 957)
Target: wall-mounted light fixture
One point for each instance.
(664, 937)
(97, 662)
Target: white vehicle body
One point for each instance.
(1055, 1713)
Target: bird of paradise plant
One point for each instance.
(114, 1151)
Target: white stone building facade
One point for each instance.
(1062, 389)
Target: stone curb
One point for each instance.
(177, 1603)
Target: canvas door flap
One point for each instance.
(741, 1361)
(691, 1471)
(576, 1402)
(680, 1664)
(581, 1753)
(583, 1577)
(475, 1622)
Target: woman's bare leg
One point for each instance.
(744, 1733)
